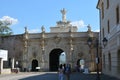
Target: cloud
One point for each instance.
(34, 31)
(79, 24)
(97, 30)
(9, 20)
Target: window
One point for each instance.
(109, 59)
(107, 4)
(108, 24)
(118, 61)
(102, 10)
(104, 61)
(9, 62)
(103, 32)
(117, 15)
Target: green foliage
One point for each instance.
(5, 30)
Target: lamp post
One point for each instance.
(17, 68)
(97, 59)
(90, 44)
(104, 41)
(16, 64)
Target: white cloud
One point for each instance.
(79, 24)
(8, 19)
(97, 30)
(34, 31)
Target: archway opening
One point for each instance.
(34, 65)
(80, 64)
(62, 58)
(54, 59)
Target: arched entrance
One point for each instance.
(80, 64)
(54, 59)
(34, 65)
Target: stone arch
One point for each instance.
(54, 59)
(34, 64)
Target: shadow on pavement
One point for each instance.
(73, 76)
(54, 76)
(46, 76)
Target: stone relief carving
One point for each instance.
(34, 54)
(80, 54)
(57, 39)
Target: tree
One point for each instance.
(5, 30)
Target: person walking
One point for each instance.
(68, 71)
(61, 72)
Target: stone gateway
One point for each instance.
(41, 51)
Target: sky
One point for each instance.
(34, 14)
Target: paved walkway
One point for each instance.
(52, 76)
(80, 76)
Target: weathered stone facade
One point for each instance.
(43, 49)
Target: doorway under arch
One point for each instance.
(34, 65)
(54, 59)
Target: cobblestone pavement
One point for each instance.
(52, 76)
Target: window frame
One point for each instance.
(107, 4)
(117, 15)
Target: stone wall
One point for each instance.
(15, 46)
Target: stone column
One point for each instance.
(13, 63)
(1, 65)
